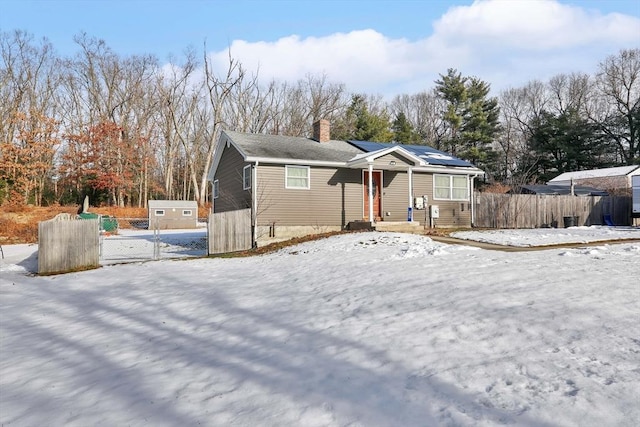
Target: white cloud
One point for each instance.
(533, 25)
(506, 43)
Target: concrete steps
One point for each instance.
(399, 227)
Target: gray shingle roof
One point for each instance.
(595, 173)
(292, 147)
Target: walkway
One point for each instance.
(504, 248)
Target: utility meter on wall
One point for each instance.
(435, 211)
(418, 203)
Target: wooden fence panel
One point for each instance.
(68, 245)
(534, 211)
(230, 231)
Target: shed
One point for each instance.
(603, 179)
(172, 214)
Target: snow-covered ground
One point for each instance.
(550, 236)
(367, 329)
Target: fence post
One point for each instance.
(156, 240)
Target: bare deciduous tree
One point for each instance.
(618, 81)
(424, 111)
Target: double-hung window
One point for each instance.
(450, 187)
(246, 177)
(297, 177)
(216, 189)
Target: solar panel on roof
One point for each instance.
(429, 154)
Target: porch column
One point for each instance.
(410, 210)
(472, 198)
(254, 205)
(370, 189)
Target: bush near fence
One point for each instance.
(534, 211)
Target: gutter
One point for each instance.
(472, 198)
(254, 210)
(281, 161)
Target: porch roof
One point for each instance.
(362, 159)
(426, 154)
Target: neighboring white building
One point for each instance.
(636, 196)
(603, 179)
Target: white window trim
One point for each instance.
(466, 199)
(187, 212)
(246, 172)
(286, 177)
(216, 189)
(159, 212)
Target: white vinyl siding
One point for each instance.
(246, 177)
(297, 177)
(450, 187)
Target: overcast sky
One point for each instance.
(374, 47)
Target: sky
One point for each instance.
(375, 47)
(361, 329)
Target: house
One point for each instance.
(172, 214)
(604, 179)
(298, 186)
(558, 190)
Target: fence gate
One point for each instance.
(230, 231)
(147, 242)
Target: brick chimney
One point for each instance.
(322, 130)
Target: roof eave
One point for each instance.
(450, 169)
(283, 161)
(217, 154)
(371, 156)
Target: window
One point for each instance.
(297, 177)
(187, 212)
(450, 187)
(216, 189)
(159, 212)
(246, 177)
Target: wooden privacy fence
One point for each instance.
(534, 211)
(229, 231)
(68, 245)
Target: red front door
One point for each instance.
(377, 193)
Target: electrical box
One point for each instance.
(418, 203)
(435, 211)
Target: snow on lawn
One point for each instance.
(367, 329)
(550, 236)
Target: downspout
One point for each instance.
(370, 189)
(410, 209)
(254, 207)
(473, 204)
